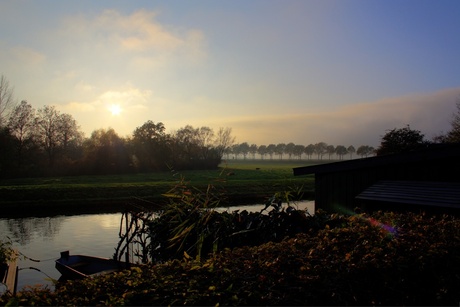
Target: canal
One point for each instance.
(43, 238)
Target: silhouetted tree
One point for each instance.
(299, 150)
(365, 150)
(194, 148)
(106, 153)
(21, 127)
(149, 146)
(400, 140)
(243, 148)
(236, 150)
(71, 139)
(47, 131)
(7, 102)
(7, 154)
(253, 150)
(289, 149)
(280, 149)
(351, 150)
(320, 149)
(453, 136)
(310, 150)
(271, 148)
(330, 150)
(228, 152)
(262, 150)
(224, 140)
(341, 150)
(55, 133)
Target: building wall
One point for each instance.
(336, 191)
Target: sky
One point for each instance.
(274, 71)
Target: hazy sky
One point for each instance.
(342, 72)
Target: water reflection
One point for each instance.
(44, 238)
(308, 205)
(24, 230)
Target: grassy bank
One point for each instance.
(241, 181)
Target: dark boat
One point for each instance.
(81, 266)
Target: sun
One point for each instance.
(115, 109)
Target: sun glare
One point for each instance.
(115, 109)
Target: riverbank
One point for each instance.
(238, 183)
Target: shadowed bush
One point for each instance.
(380, 259)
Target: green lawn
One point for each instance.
(241, 179)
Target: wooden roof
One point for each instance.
(426, 193)
(430, 152)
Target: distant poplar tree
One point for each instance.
(351, 150)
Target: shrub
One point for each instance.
(6, 252)
(380, 259)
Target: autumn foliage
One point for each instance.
(381, 259)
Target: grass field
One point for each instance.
(243, 181)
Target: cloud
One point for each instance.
(22, 61)
(75, 107)
(84, 87)
(135, 39)
(28, 56)
(128, 97)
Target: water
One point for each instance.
(43, 238)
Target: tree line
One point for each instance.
(47, 142)
(296, 151)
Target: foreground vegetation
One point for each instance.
(286, 257)
(383, 258)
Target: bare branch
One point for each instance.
(7, 102)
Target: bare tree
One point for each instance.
(69, 131)
(47, 123)
(7, 102)
(224, 140)
(205, 137)
(55, 131)
(21, 127)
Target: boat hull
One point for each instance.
(82, 266)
